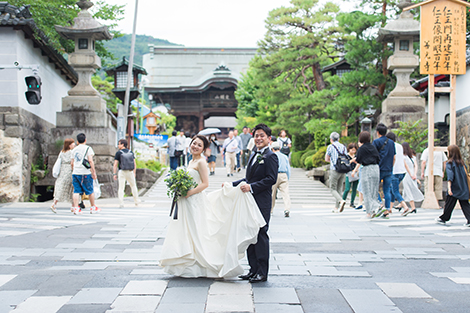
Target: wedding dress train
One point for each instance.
(212, 233)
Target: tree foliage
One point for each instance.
(105, 88)
(48, 13)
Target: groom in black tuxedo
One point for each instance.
(261, 175)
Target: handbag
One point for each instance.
(468, 178)
(85, 161)
(96, 188)
(56, 168)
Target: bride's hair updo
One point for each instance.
(204, 140)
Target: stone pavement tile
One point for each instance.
(6, 278)
(188, 295)
(95, 295)
(42, 304)
(230, 288)
(460, 280)
(335, 264)
(410, 242)
(461, 269)
(369, 301)
(431, 256)
(293, 270)
(229, 303)
(403, 290)
(275, 295)
(9, 299)
(25, 282)
(278, 308)
(331, 271)
(84, 308)
(145, 287)
(181, 308)
(63, 284)
(148, 271)
(135, 304)
(323, 300)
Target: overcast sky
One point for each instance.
(203, 23)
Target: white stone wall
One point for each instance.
(462, 95)
(11, 167)
(14, 47)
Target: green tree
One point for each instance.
(105, 88)
(48, 13)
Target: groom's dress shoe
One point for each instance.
(247, 276)
(258, 278)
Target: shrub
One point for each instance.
(152, 165)
(318, 159)
(306, 156)
(295, 158)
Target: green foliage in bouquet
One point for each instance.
(178, 183)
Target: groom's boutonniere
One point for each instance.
(260, 159)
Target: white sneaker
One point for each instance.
(77, 211)
(53, 208)
(94, 210)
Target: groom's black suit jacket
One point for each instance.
(261, 176)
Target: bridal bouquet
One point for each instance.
(178, 183)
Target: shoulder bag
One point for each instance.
(85, 161)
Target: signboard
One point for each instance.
(156, 140)
(443, 30)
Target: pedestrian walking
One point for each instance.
(439, 165)
(180, 148)
(284, 142)
(214, 149)
(386, 149)
(411, 192)
(245, 154)
(282, 182)
(239, 149)
(83, 174)
(124, 160)
(63, 188)
(351, 181)
(229, 150)
(336, 178)
(172, 151)
(368, 157)
(398, 173)
(187, 152)
(457, 186)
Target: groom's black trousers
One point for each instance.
(258, 254)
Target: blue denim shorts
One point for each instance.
(82, 184)
(212, 158)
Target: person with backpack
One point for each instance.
(284, 142)
(336, 156)
(125, 161)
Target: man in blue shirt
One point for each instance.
(283, 176)
(386, 148)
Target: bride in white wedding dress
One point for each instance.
(213, 230)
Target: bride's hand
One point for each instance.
(189, 193)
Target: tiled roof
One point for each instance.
(21, 18)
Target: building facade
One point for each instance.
(198, 84)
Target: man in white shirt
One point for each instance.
(229, 149)
(399, 171)
(440, 160)
(180, 146)
(82, 177)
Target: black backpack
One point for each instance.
(342, 163)
(126, 161)
(285, 147)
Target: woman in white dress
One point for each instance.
(63, 189)
(213, 230)
(411, 192)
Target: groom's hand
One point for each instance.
(245, 188)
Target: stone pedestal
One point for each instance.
(402, 109)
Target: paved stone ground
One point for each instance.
(320, 261)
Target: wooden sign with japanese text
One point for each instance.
(443, 43)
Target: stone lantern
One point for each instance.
(84, 110)
(404, 102)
